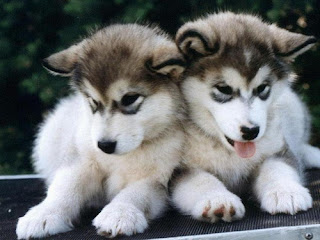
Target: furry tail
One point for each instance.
(311, 156)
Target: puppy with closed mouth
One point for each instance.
(116, 139)
(247, 130)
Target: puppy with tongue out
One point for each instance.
(246, 131)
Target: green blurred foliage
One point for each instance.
(33, 29)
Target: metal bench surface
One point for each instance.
(17, 195)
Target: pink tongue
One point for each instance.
(245, 149)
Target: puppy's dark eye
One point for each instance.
(131, 102)
(129, 99)
(222, 93)
(263, 91)
(225, 89)
(95, 102)
(95, 105)
(261, 88)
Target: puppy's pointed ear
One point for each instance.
(197, 40)
(167, 61)
(62, 63)
(289, 45)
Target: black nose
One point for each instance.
(249, 133)
(107, 146)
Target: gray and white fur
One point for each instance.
(115, 141)
(247, 131)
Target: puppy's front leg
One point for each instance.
(70, 188)
(204, 197)
(279, 189)
(128, 213)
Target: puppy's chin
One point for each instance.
(126, 150)
(121, 153)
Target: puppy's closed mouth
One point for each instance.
(243, 149)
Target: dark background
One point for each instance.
(33, 29)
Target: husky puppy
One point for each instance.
(247, 129)
(116, 139)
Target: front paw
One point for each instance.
(41, 222)
(290, 199)
(224, 205)
(120, 219)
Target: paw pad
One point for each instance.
(232, 211)
(220, 211)
(212, 208)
